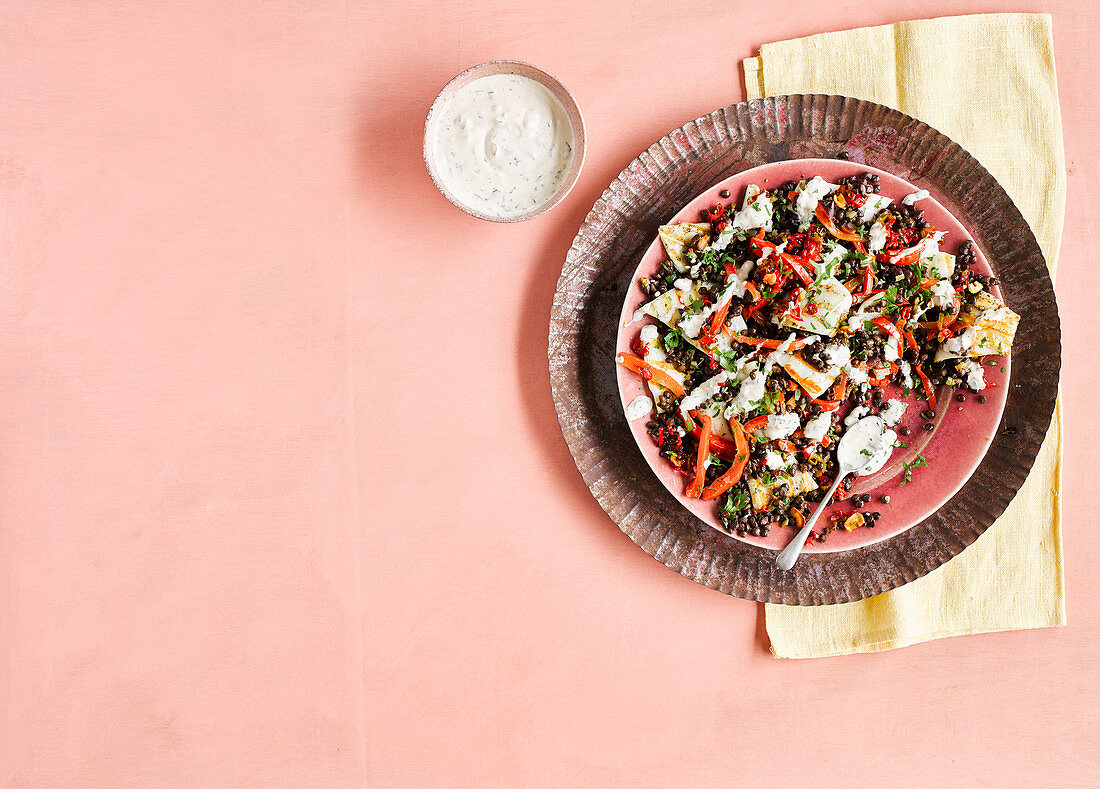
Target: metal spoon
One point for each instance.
(863, 449)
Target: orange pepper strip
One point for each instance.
(763, 343)
(716, 324)
(695, 488)
(733, 476)
(841, 386)
(751, 288)
(827, 222)
(756, 424)
(651, 373)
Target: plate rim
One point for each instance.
(787, 127)
(942, 390)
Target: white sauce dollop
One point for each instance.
(974, 373)
(777, 460)
(893, 411)
(837, 355)
(876, 239)
(806, 204)
(855, 416)
(961, 344)
(750, 393)
(756, 213)
(921, 194)
(781, 425)
(640, 406)
(704, 392)
(856, 375)
(943, 294)
(867, 445)
(817, 427)
(503, 144)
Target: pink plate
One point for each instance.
(963, 431)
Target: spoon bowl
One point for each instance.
(863, 449)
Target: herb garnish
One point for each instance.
(907, 474)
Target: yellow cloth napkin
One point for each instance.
(987, 81)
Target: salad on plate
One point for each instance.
(776, 323)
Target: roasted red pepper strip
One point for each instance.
(756, 424)
(800, 266)
(813, 248)
(929, 393)
(758, 243)
(651, 373)
(827, 222)
(892, 330)
(733, 475)
(868, 279)
(907, 335)
(751, 288)
(695, 489)
(827, 405)
(908, 256)
(718, 446)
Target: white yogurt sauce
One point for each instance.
(817, 427)
(640, 406)
(943, 293)
(868, 444)
(917, 196)
(781, 425)
(893, 411)
(876, 239)
(807, 202)
(503, 144)
(974, 373)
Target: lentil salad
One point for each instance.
(782, 320)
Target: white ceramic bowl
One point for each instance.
(518, 68)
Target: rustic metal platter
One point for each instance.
(616, 233)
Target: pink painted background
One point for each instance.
(283, 501)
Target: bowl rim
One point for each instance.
(547, 80)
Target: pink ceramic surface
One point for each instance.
(560, 92)
(220, 565)
(952, 451)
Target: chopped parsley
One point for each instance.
(736, 501)
(907, 474)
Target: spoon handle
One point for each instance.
(789, 555)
